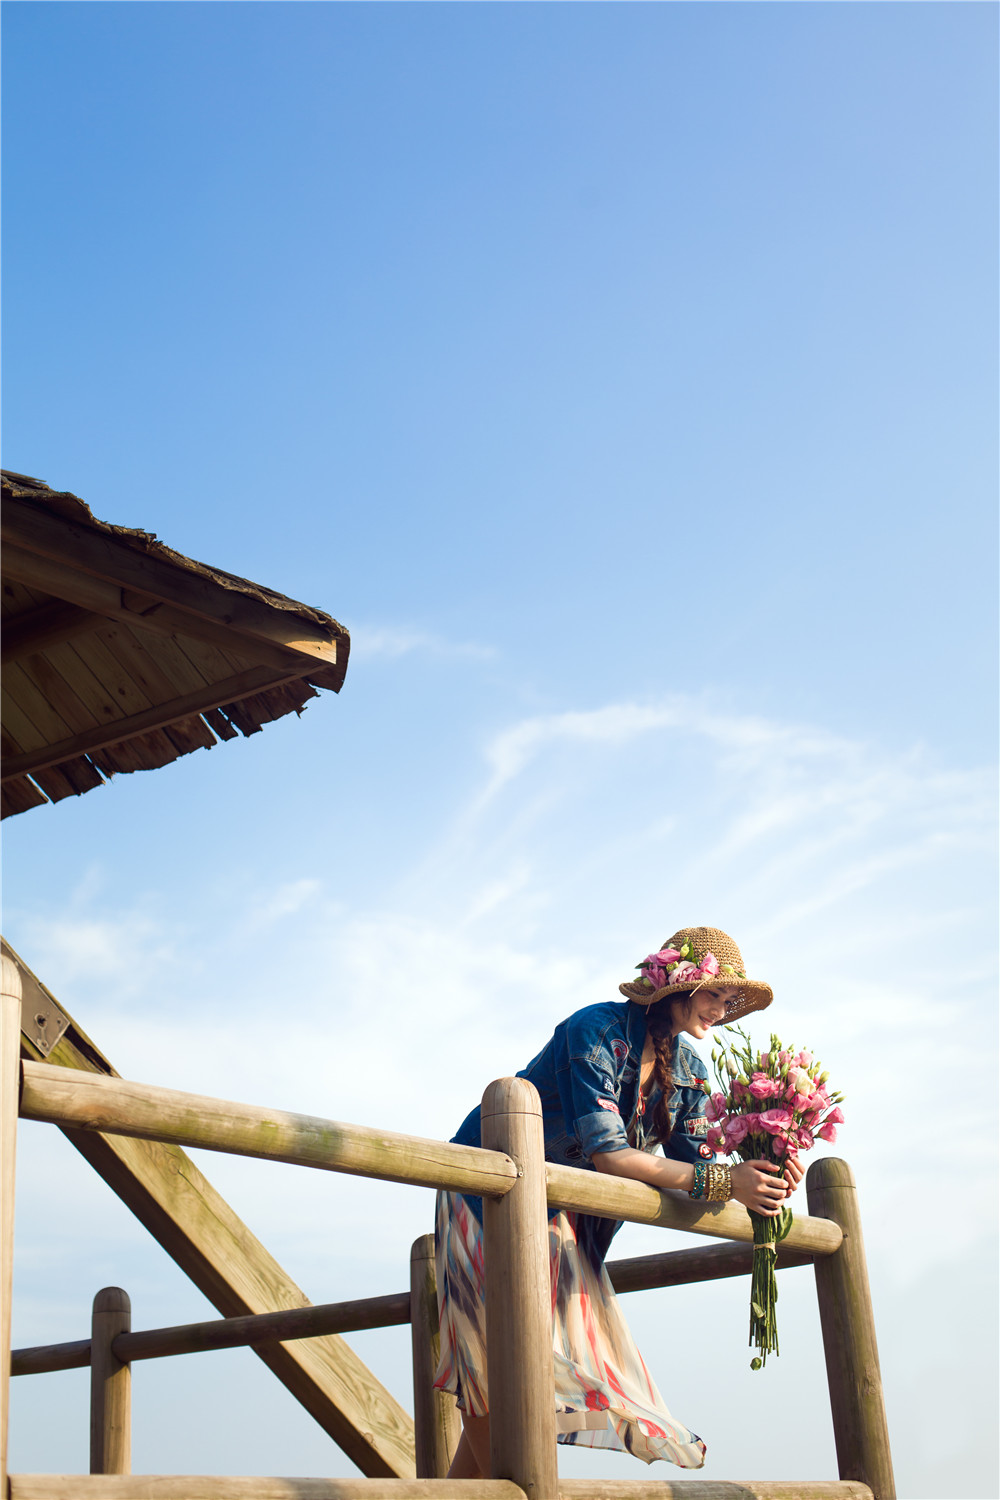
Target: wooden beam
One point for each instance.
(198, 1229)
(641, 1273)
(637, 1203)
(10, 1030)
(860, 1428)
(223, 1333)
(252, 1487)
(160, 716)
(110, 1385)
(88, 1101)
(519, 1356)
(436, 1422)
(144, 612)
(86, 550)
(48, 625)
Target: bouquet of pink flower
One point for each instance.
(771, 1105)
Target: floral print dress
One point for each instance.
(604, 1395)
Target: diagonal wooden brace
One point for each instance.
(198, 1229)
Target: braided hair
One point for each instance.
(660, 1024)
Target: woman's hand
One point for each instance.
(793, 1173)
(757, 1185)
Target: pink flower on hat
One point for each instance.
(709, 965)
(655, 966)
(683, 972)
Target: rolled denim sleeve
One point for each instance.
(588, 1092)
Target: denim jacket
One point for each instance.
(587, 1077)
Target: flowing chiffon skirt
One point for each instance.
(604, 1395)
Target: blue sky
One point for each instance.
(624, 378)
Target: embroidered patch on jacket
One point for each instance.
(620, 1049)
(697, 1126)
(608, 1104)
(704, 1150)
(609, 1085)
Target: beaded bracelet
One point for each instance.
(698, 1189)
(720, 1183)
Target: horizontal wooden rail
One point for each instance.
(115, 1106)
(251, 1487)
(223, 1333)
(641, 1273)
(635, 1202)
(219, 1487)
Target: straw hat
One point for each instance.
(685, 963)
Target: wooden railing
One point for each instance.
(518, 1187)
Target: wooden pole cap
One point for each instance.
(112, 1299)
(511, 1096)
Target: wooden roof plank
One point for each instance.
(20, 727)
(140, 752)
(49, 681)
(219, 724)
(17, 598)
(162, 673)
(121, 688)
(19, 796)
(190, 734)
(43, 626)
(69, 780)
(216, 694)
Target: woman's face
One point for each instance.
(697, 1013)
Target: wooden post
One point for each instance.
(520, 1372)
(436, 1422)
(848, 1323)
(110, 1385)
(10, 1068)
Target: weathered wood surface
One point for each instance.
(519, 1362)
(642, 1273)
(436, 1422)
(44, 626)
(218, 1487)
(224, 1333)
(638, 1203)
(160, 716)
(110, 1385)
(848, 1323)
(250, 1487)
(198, 1229)
(43, 1359)
(10, 1033)
(120, 1106)
(30, 528)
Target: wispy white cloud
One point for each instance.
(390, 641)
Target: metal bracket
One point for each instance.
(42, 1022)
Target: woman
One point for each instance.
(615, 1081)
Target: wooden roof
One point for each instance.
(121, 655)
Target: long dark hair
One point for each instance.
(660, 1023)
